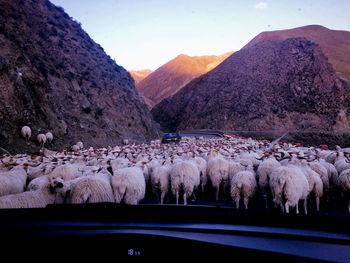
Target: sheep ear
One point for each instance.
(110, 170)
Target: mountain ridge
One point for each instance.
(274, 84)
(335, 44)
(53, 76)
(175, 74)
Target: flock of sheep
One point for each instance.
(283, 173)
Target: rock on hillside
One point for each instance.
(174, 75)
(275, 84)
(335, 44)
(54, 77)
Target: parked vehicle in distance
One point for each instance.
(171, 137)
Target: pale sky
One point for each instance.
(145, 34)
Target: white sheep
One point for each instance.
(75, 148)
(202, 167)
(49, 137)
(128, 185)
(80, 145)
(160, 180)
(26, 132)
(34, 199)
(38, 183)
(13, 181)
(118, 163)
(322, 172)
(315, 183)
(64, 172)
(92, 189)
(41, 138)
(185, 175)
(341, 163)
(218, 170)
(290, 182)
(243, 183)
(342, 182)
(263, 173)
(235, 167)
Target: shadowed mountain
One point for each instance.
(274, 84)
(54, 77)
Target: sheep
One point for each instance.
(80, 145)
(315, 182)
(38, 183)
(49, 137)
(341, 163)
(185, 175)
(217, 170)
(202, 167)
(313, 178)
(263, 173)
(39, 170)
(128, 185)
(342, 182)
(13, 181)
(34, 199)
(26, 132)
(92, 189)
(64, 172)
(75, 148)
(290, 182)
(253, 157)
(243, 183)
(41, 138)
(322, 172)
(118, 163)
(160, 180)
(235, 167)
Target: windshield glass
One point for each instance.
(237, 104)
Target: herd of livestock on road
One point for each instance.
(283, 176)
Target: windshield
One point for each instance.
(237, 104)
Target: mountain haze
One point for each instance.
(139, 75)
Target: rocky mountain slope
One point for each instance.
(274, 84)
(335, 44)
(174, 75)
(54, 77)
(139, 75)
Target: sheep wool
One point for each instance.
(160, 180)
(41, 138)
(243, 183)
(128, 185)
(290, 182)
(13, 181)
(31, 199)
(218, 170)
(26, 132)
(92, 189)
(185, 175)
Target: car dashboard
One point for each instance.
(168, 232)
